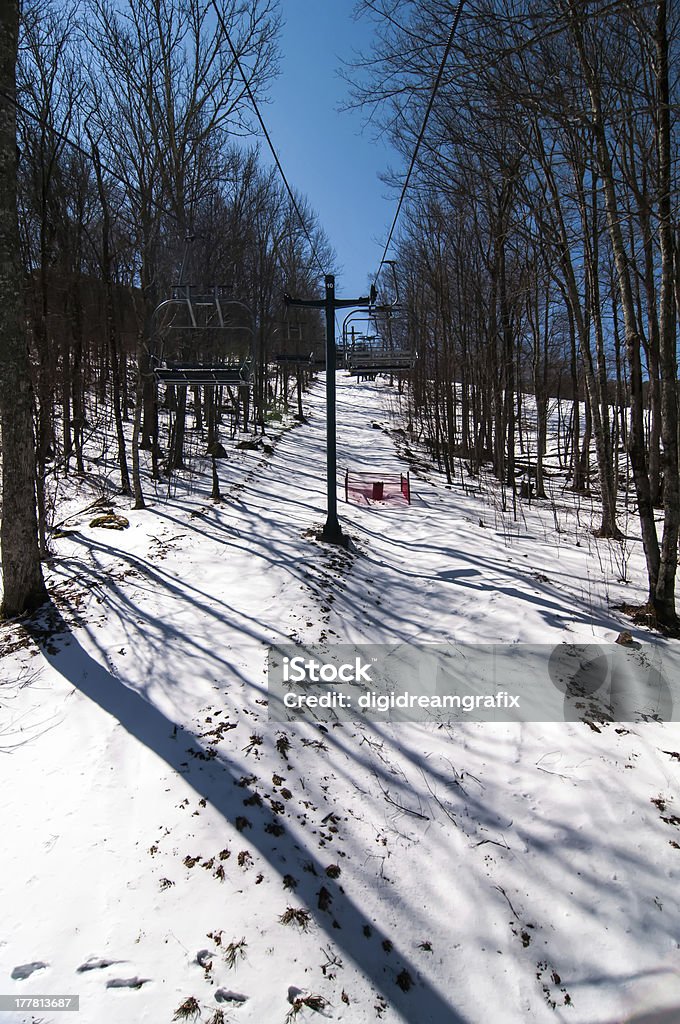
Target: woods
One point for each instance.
(537, 253)
(134, 136)
(541, 251)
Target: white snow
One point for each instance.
(499, 873)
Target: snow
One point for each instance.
(153, 815)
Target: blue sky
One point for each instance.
(323, 152)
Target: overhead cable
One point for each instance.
(291, 194)
(421, 135)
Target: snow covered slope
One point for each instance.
(168, 852)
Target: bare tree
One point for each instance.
(23, 584)
(168, 94)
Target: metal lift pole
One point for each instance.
(332, 532)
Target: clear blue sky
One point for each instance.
(323, 152)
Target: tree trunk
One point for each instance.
(24, 587)
(636, 436)
(111, 328)
(136, 432)
(664, 592)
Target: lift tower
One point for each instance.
(332, 533)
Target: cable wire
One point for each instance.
(421, 135)
(251, 97)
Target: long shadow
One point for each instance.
(147, 724)
(543, 596)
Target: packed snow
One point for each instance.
(169, 853)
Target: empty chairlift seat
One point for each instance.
(374, 362)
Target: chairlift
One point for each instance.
(200, 308)
(197, 312)
(369, 355)
(360, 364)
(193, 373)
(297, 354)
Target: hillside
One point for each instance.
(165, 842)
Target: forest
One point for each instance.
(537, 252)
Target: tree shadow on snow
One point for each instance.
(423, 1004)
